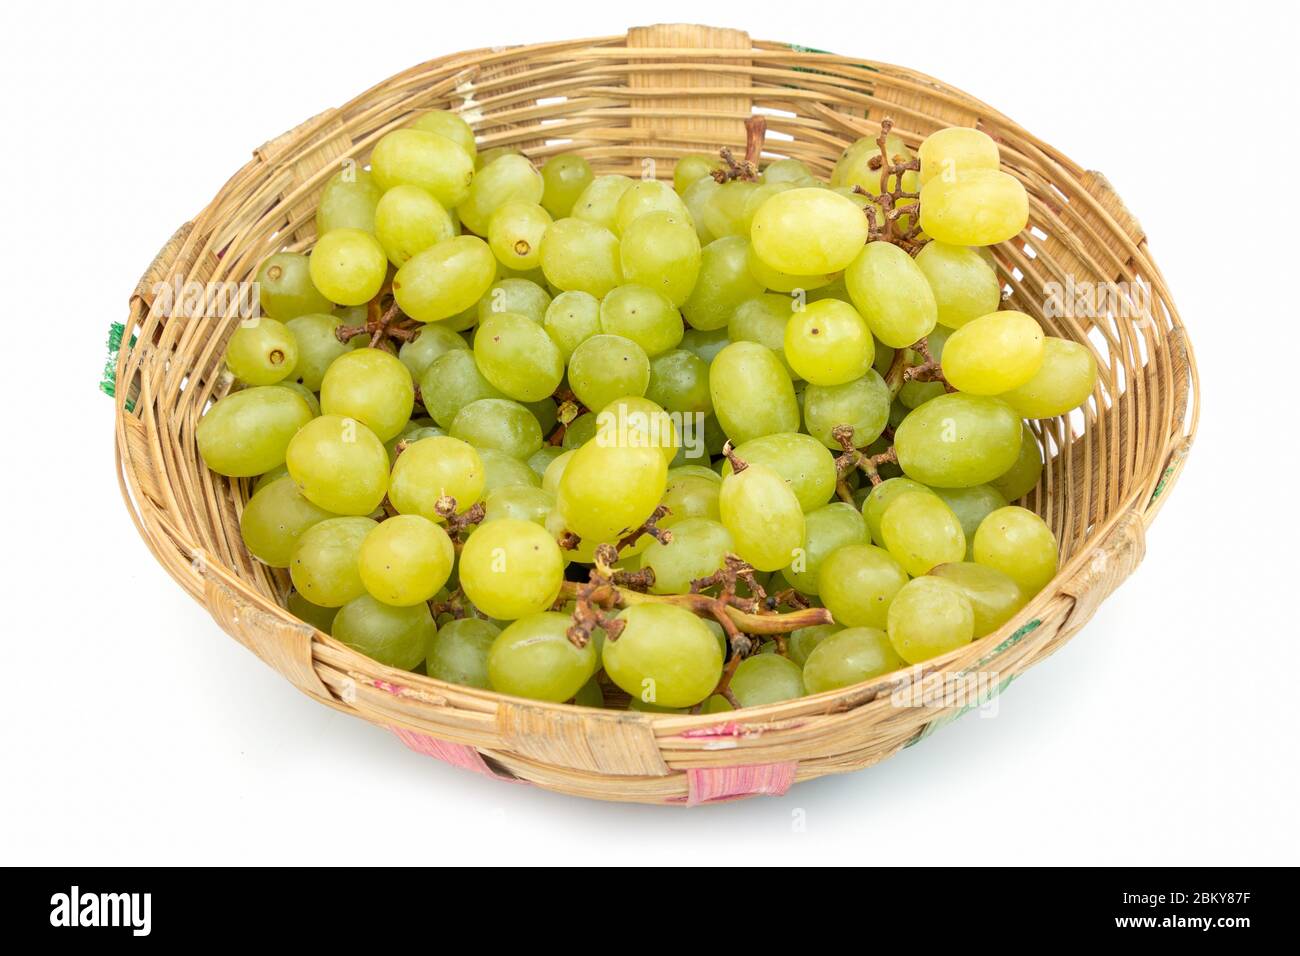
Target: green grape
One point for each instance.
(915, 394)
(928, 617)
(534, 658)
(348, 266)
(862, 404)
(827, 529)
(679, 382)
(789, 171)
(285, 290)
(450, 125)
(981, 207)
(409, 220)
(647, 196)
(881, 497)
(507, 179)
(493, 154)
(638, 422)
(804, 641)
(697, 549)
(417, 157)
(994, 353)
(849, 657)
(705, 344)
(590, 695)
(808, 231)
(767, 679)
(884, 357)
(699, 197)
(517, 357)
(540, 461)
(262, 351)
(451, 382)
(691, 168)
(724, 282)
(246, 433)
(854, 165)
(405, 560)
(598, 202)
(520, 503)
(892, 293)
(971, 506)
(763, 319)
(805, 464)
(951, 152)
(347, 201)
(607, 489)
(318, 346)
(1018, 543)
(857, 583)
(1063, 382)
(752, 395)
(520, 296)
(786, 282)
(445, 279)
(462, 321)
(579, 431)
(324, 565)
(498, 423)
(409, 436)
(339, 464)
(506, 471)
(1022, 477)
(827, 343)
(664, 655)
(393, 636)
(458, 652)
(430, 342)
(274, 519)
(606, 367)
(763, 515)
(571, 319)
(304, 393)
(515, 234)
(661, 251)
(958, 440)
(644, 315)
(564, 178)
(964, 285)
(581, 256)
(511, 568)
(724, 214)
(921, 531)
(690, 495)
(372, 386)
(321, 618)
(755, 199)
(264, 479)
(431, 468)
(994, 597)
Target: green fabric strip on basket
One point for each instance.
(108, 380)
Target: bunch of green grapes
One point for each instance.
(683, 446)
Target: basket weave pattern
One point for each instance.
(622, 101)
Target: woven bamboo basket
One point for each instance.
(657, 93)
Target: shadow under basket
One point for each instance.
(657, 93)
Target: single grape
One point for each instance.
(516, 355)
(994, 353)
(803, 462)
(606, 367)
(262, 351)
(892, 293)
(787, 282)
(644, 315)
(347, 201)
(854, 167)
(644, 197)
(520, 296)
(372, 386)
(393, 636)
(789, 171)
(450, 125)
(881, 497)
(458, 652)
(451, 382)
(274, 519)
(285, 290)
(971, 506)
(564, 178)
(511, 568)
(921, 531)
(1063, 382)
(506, 471)
(321, 618)
(246, 433)
(498, 423)
(515, 234)
(579, 431)
(767, 679)
(692, 168)
(706, 345)
(763, 319)
(519, 502)
(324, 566)
(929, 616)
(914, 394)
(534, 658)
(699, 197)
(598, 203)
(808, 231)
(981, 207)
(555, 469)
(994, 597)
(661, 251)
(964, 285)
(862, 404)
(849, 657)
(409, 220)
(679, 382)
(828, 343)
(804, 640)
(417, 157)
(752, 394)
(507, 179)
(318, 346)
(348, 266)
(763, 515)
(339, 464)
(445, 279)
(1018, 543)
(590, 695)
(432, 468)
(725, 212)
(826, 530)
(958, 440)
(405, 560)
(430, 341)
(607, 489)
(697, 549)
(571, 319)
(1022, 477)
(638, 422)
(493, 154)
(690, 495)
(665, 655)
(540, 461)
(955, 150)
(857, 582)
(578, 255)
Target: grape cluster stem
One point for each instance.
(884, 211)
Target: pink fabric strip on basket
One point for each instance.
(726, 783)
(458, 755)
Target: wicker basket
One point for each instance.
(656, 93)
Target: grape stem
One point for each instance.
(649, 526)
(381, 326)
(929, 370)
(747, 168)
(885, 210)
(567, 411)
(446, 506)
(855, 458)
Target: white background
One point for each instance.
(132, 730)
